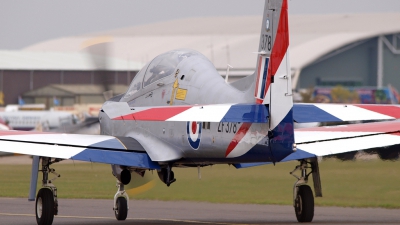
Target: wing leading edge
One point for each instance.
(91, 148)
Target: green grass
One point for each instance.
(353, 184)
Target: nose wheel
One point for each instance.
(121, 212)
(121, 202)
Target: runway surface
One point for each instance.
(19, 211)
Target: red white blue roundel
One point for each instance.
(193, 130)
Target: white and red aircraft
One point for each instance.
(179, 112)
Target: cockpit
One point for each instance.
(165, 65)
(160, 67)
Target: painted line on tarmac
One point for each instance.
(149, 219)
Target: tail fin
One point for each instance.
(273, 79)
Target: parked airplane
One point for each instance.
(29, 120)
(179, 112)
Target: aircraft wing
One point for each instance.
(313, 112)
(331, 140)
(92, 148)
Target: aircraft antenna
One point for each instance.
(227, 73)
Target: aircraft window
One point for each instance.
(206, 125)
(136, 83)
(165, 65)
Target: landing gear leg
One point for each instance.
(303, 199)
(121, 199)
(46, 200)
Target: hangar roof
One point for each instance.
(49, 60)
(234, 40)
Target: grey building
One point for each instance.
(325, 50)
(22, 72)
(353, 50)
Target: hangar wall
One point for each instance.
(13, 83)
(355, 64)
(391, 63)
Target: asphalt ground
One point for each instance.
(20, 211)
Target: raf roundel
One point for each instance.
(193, 130)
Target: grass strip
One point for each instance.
(371, 183)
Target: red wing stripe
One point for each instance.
(392, 111)
(383, 127)
(155, 114)
(238, 137)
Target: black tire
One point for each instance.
(44, 207)
(304, 204)
(122, 209)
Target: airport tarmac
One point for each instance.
(18, 211)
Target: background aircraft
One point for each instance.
(30, 120)
(179, 112)
(30, 117)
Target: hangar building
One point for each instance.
(23, 72)
(325, 50)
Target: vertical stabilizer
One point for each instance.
(273, 79)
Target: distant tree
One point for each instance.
(340, 94)
(307, 95)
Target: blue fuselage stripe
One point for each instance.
(251, 113)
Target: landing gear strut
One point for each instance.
(46, 200)
(303, 199)
(121, 200)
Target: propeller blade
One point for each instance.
(98, 49)
(141, 184)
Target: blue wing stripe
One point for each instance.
(310, 113)
(247, 165)
(298, 154)
(134, 159)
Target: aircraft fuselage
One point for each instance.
(190, 81)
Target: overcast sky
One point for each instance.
(23, 23)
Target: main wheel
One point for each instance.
(304, 204)
(122, 209)
(44, 207)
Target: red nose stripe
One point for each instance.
(156, 114)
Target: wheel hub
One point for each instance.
(39, 206)
(299, 205)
